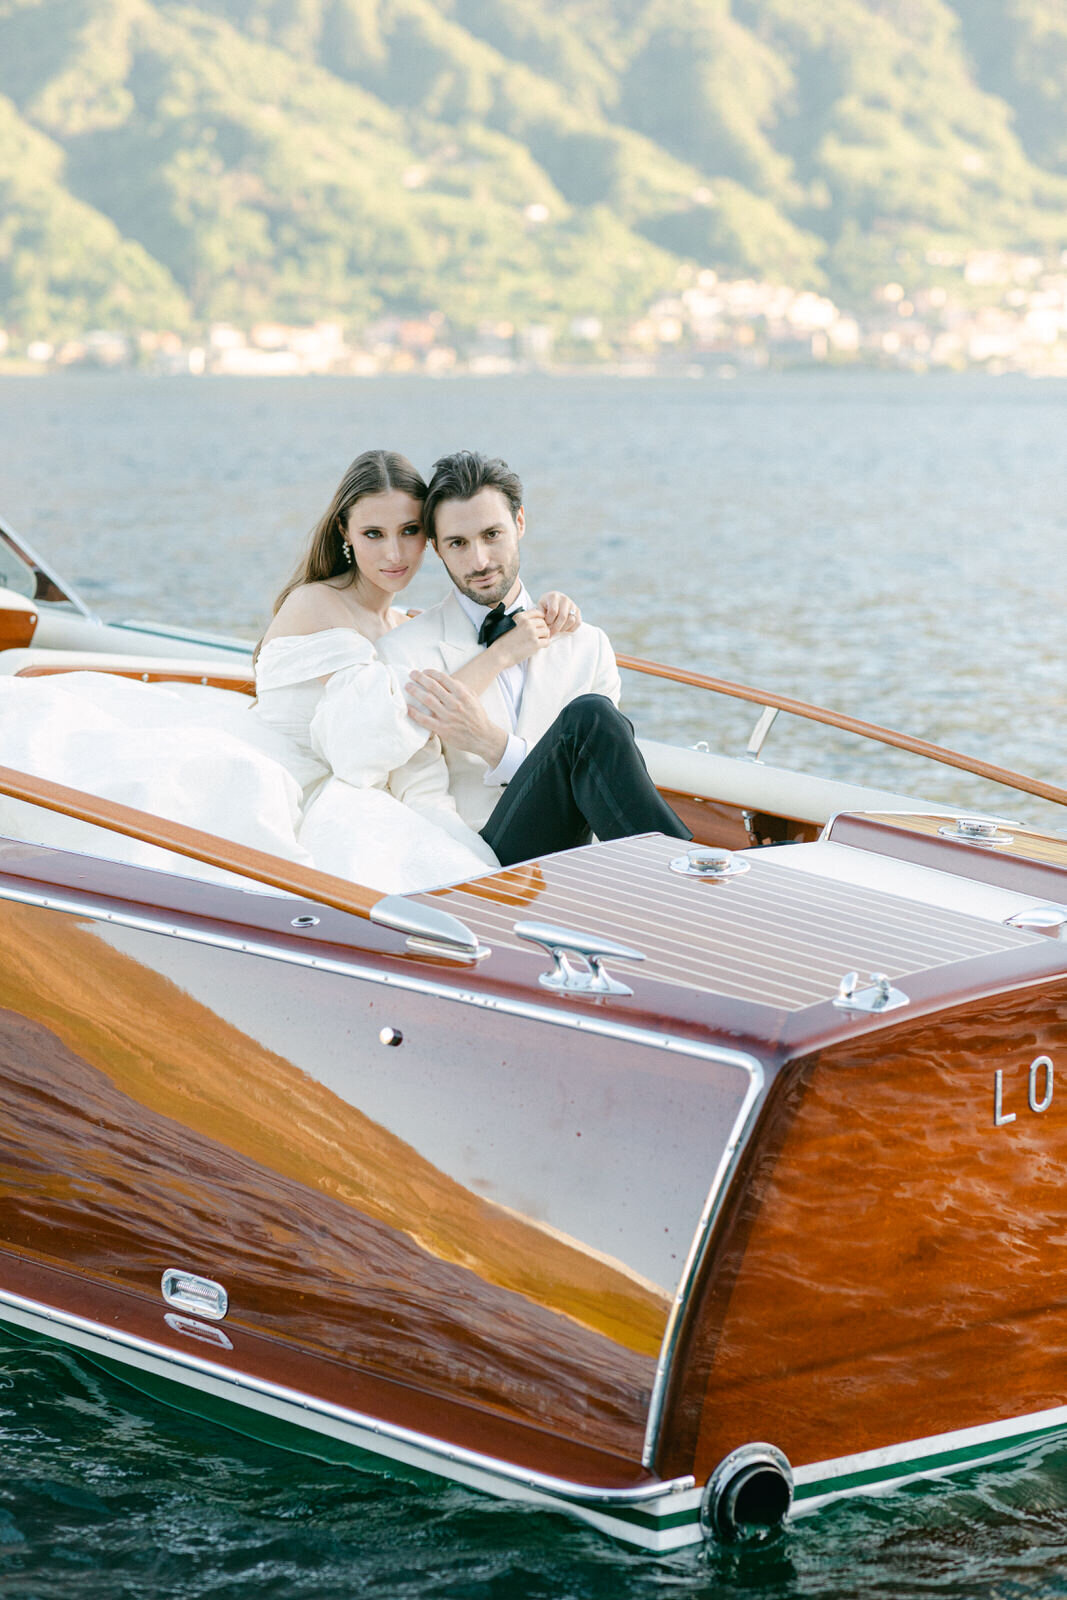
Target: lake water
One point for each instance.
(891, 546)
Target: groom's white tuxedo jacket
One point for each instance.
(443, 637)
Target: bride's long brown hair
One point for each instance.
(374, 472)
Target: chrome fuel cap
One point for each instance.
(976, 830)
(708, 861)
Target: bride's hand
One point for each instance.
(530, 634)
(561, 613)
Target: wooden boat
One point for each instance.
(676, 1189)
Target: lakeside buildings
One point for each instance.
(994, 310)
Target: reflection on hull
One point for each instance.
(889, 1289)
(311, 1213)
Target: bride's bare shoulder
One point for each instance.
(309, 609)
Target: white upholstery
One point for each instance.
(62, 630)
(13, 661)
(775, 790)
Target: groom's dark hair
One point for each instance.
(463, 475)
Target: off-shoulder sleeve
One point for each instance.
(361, 728)
(299, 658)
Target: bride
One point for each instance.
(302, 772)
(319, 683)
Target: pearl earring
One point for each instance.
(346, 550)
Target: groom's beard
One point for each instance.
(504, 575)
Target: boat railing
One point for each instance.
(429, 929)
(770, 702)
(258, 865)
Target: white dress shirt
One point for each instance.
(511, 682)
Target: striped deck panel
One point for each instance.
(772, 936)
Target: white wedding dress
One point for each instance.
(181, 751)
(300, 773)
(352, 732)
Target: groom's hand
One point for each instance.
(443, 706)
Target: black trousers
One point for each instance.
(585, 776)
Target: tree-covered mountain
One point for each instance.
(164, 164)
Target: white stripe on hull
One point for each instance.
(605, 1509)
(659, 1518)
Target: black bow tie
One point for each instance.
(497, 622)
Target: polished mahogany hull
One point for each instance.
(573, 1251)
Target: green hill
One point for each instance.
(164, 164)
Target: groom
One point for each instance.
(544, 759)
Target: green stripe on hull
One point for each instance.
(308, 1442)
(266, 1428)
(284, 1435)
(961, 1457)
(253, 1424)
(667, 1526)
(243, 1420)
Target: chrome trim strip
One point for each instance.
(712, 1206)
(603, 1026)
(543, 1483)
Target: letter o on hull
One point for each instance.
(748, 1495)
(1042, 1064)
